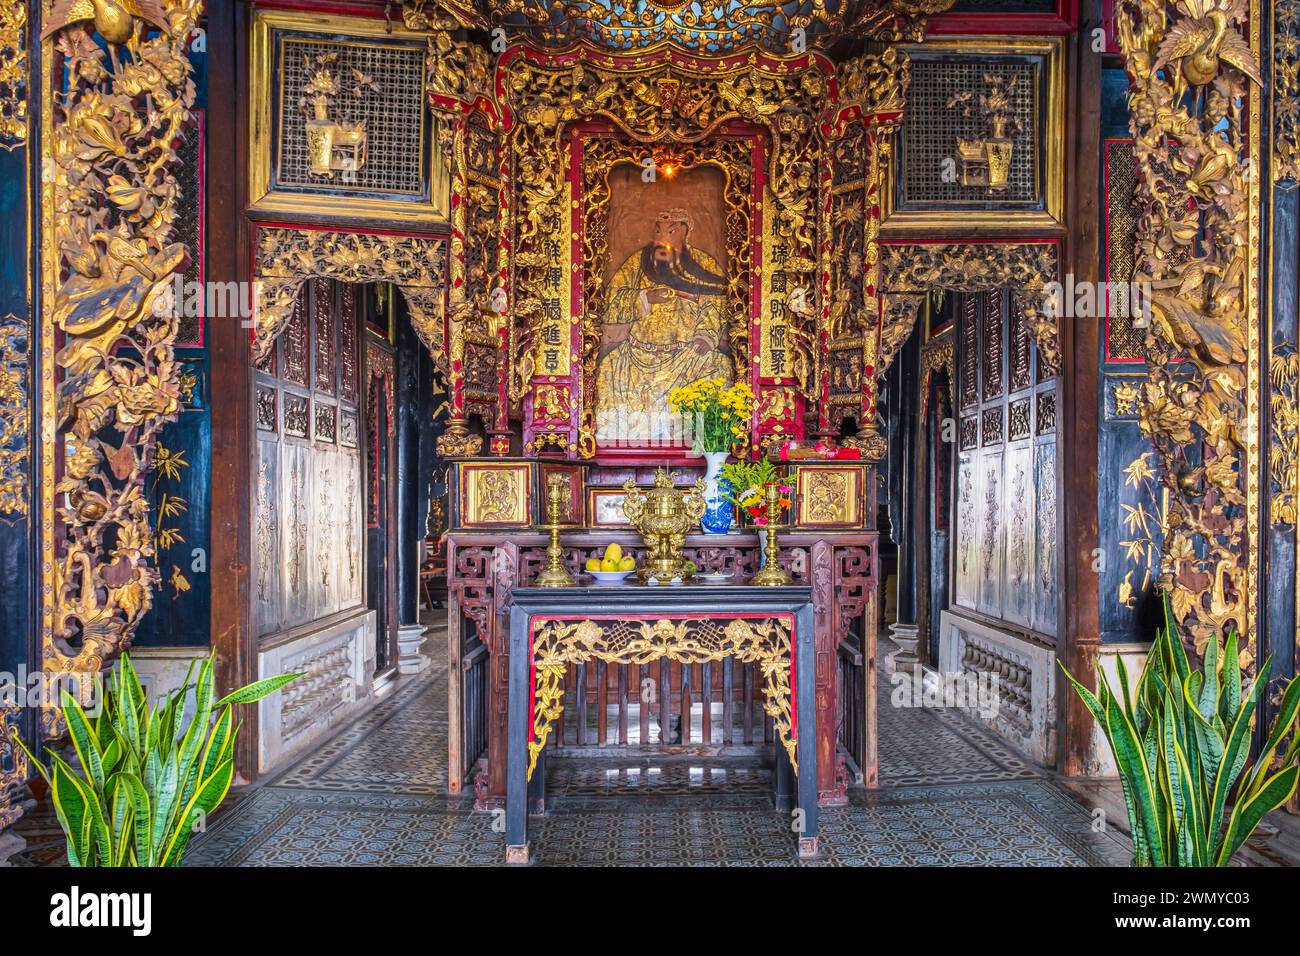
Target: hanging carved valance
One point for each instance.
(910, 272)
(287, 257)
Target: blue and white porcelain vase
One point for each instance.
(718, 511)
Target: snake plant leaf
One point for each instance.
(1283, 723)
(258, 689)
(208, 797)
(143, 809)
(1178, 656)
(215, 750)
(1246, 815)
(1132, 764)
(1230, 700)
(1208, 701)
(83, 740)
(1235, 752)
(70, 807)
(166, 794)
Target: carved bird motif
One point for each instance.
(1201, 43)
(114, 19)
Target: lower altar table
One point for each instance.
(551, 628)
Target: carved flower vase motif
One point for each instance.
(718, 509)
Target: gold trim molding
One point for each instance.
(999, 222)
(262, 194)
(287, 257)
(558, 643)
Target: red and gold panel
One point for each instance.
(829, 495)
(495, 494)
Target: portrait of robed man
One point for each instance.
(664, 321)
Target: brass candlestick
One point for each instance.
(771, 574)
(555, 574)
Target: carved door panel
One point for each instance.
(1004, 512)
(307, 508)
(381, 534)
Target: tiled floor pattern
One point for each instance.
(375, 794)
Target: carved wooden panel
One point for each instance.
(323, 335)
(969, 352)
(992, 348)
(1005, 498)
(308, 492)
(966, 593)
(991, 506)
(1018, 604)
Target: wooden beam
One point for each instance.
(232, 408)
(1077, 392)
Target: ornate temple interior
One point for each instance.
(720, 411)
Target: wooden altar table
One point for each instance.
(551, 628)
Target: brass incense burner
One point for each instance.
(662, 515)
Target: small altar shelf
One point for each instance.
(638, 624)
(487, 568)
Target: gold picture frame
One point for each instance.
(428, 204)
(939, 223)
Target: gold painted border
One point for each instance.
(261, 197)
(952, 223)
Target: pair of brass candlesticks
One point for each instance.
(662, 515)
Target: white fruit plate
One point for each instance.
(610, 577)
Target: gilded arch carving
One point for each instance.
(287, 257)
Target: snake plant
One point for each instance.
(1181, 738)
(147, 780)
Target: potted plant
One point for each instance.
(1181, 739)
(717, 416)
(147, 780)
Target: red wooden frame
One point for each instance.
(1064, 20)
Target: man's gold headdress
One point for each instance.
(676, 215)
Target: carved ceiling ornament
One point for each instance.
(1197, 245)
(708, 27)
(109, 251)
(287, 257)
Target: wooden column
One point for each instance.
(1080, 341)
(228, 348)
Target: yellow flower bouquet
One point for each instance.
(717, 415)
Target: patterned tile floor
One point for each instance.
(375, 794)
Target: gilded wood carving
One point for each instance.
(1193, 96)
(287, 257)
(557, 644)
(110, 202)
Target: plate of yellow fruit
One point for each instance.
(612, 567)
